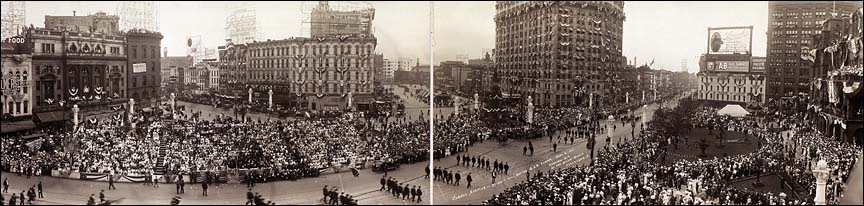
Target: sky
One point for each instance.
(667, 31)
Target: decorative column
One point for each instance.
(821, 172)
(173, 106)
(270, 99)
(456, 105)
(350, 100)
(476, 102)
(131, 111)
(591, 100)
(530, 110)
(628, 97)
(75, 111)
(131, 107)
(250, 95)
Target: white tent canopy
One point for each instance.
(733, 110)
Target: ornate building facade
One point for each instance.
(557, 51)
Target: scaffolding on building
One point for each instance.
(241, 24)
(138, 15)
(307, 8)
(13, 14)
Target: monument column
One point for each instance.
(821, 172)
(270, 99)
(530, 110)
(75, 111)
(250, 95)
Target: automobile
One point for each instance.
(384, 165)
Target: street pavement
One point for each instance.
(543, 160)
(305, 191)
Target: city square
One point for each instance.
(432, 103)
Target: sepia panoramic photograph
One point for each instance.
(432, 103)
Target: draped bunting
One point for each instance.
(832, 93)
(850, 88)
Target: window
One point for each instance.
(48, 48)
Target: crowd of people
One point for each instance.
(279, 149)
(631, 175)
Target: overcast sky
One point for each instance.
(666, 31)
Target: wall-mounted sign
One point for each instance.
(139, 67)
(729, 66)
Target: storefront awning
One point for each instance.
(17, 126)
(46, 117)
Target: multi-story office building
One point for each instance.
(327, 20)
(88, 69)
(551, 50)
(318, 72)
(95, 23)
(169, 66)
(144, 75)
(397, 64)
(792, 25)
(725, 80)
(232, 67)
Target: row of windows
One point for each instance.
(313, 49)
(16, 108)
(290, 63)
(154, 52)
(306, 75)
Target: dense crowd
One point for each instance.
(619, 177)
(283, 149)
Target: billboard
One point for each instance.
(729, 66)
(758, 64)
(139, 67)
(730, 40)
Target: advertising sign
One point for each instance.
(139, 67)
(730, 40)
(758, 64)
(729, 66)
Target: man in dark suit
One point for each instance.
(468, 178)
(40, 190)
(111, 182)
(383, 182)
(419, 194)
(204, 187)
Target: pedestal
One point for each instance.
(821, 172)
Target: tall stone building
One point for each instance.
(792, 25)
(314, 73)
(557, 51)
(144, 76)
(88, 69)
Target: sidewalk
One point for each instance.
(855, 185)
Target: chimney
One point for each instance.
(73, 13)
